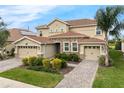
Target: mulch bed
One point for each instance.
(71, 62)
(66, 70)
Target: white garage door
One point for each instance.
(25, 51)
(92, 52)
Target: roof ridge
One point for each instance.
(80, 19)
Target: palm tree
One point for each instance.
(110, 22)
(4, 34)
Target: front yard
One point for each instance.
(37, 78)
(111, 77)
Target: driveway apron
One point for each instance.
(9, 64)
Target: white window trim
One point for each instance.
(98, 34)
(64, 47)
(72, 46)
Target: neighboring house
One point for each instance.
(15, 34)
(73, 36)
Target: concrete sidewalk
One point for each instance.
(8, 83)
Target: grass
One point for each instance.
(41, 79)
(111, 77)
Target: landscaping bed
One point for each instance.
(66, 70)
(42, 72)
(111, 77)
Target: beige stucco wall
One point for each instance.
(49, 50)
(56, 25)
(89, 31)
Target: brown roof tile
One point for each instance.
(75, 22)
(68, 34)
(79, 22)
(41, 39)
(16, 34)
(87, 40)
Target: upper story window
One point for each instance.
(74, 47)
(61, 29)
(66, 47)
(98, 31)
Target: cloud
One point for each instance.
(18, 16)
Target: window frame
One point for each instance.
(97, 29)
(64, 46)
(72, 46)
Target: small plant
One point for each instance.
(38, 61)
(102, 60)
(25, 61)
(56, 63)
(73, 57)
(31, 60)
(62, 56)
(64, 63)
(46, 63)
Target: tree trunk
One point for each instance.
(107, 50)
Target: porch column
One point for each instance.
(16, 50)
(81, 49)
(101, 50)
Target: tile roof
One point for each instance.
(79, 22)
(42, 26)
(68, 34)
(75, 22)
(41, 39)
(88, 40)
(16, 33)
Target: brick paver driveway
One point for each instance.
(81, 76)
(9, 64)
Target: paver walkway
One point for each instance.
(9, 64)
(81, 76)
(7, 83)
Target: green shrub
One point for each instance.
(1, 57)
(46, 63)
(73, 57)
(12, 52)
(102, 60)
(62, 56)
(64, 63)
(118, 45)
(38, 61)
(56, 63)
(25, 61)
(31, 60)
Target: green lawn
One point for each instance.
(41, 79)
(111, 77)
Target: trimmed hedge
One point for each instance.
(68, 57)
(32, 61)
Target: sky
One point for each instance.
(31, 16)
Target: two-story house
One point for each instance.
(79, 36)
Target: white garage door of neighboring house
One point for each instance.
(92, 52)
(25, 51)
